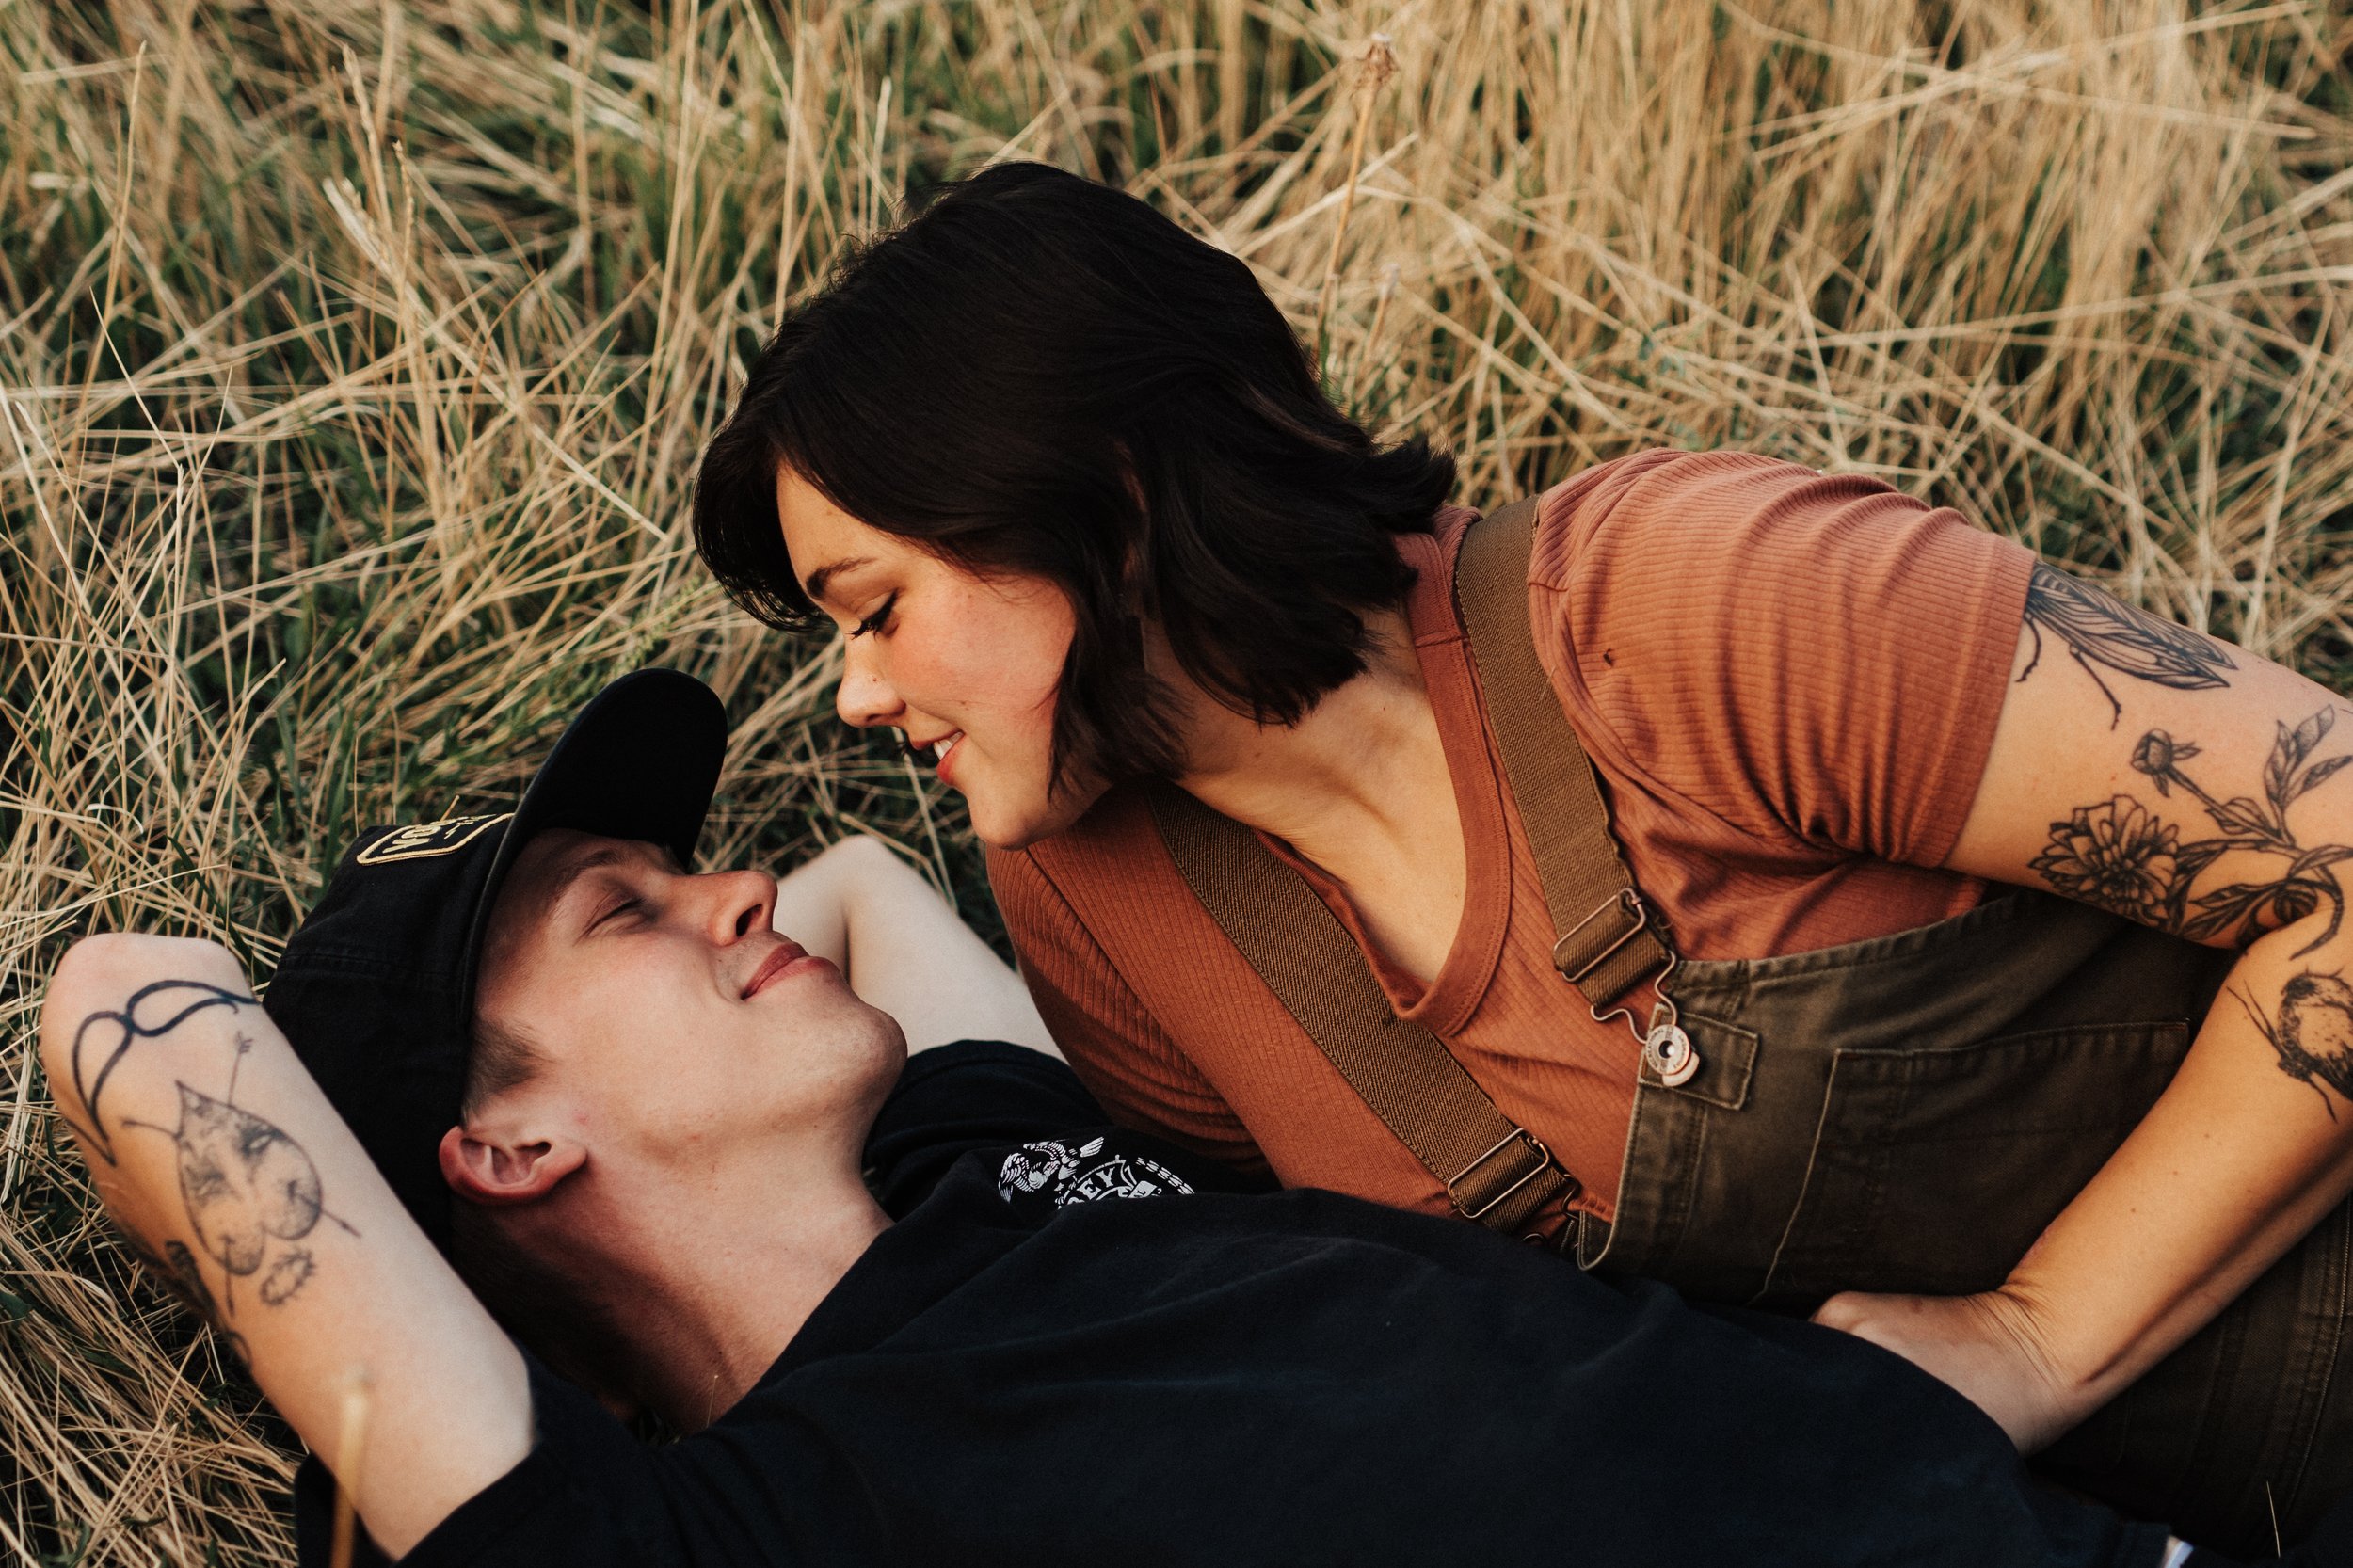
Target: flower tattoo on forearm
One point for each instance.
(251, 1192)
(2119, 856)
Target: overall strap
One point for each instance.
(1605, 941)
(1493, 1171)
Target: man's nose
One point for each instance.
(864, 697)
(742, 903)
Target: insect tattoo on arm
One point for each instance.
(250, 1192)
(2312, 1031)
(2101, 631)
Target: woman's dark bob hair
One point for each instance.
(1040, 376)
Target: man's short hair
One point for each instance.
(502, 1058)
(549, 1311)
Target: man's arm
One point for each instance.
(904, 950)
(217, 1154)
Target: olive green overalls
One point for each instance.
(1901, 1115)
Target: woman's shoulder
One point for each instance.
(1695, 540)
(1711, 504)
(1814, 657)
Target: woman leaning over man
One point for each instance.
(1892, 984)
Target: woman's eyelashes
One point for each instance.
(878, 620)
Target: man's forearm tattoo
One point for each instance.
(184, 1277)
(2312, 1031)
(2120, 855)
(2101, 629)
(251, 1192)
(180, 1001)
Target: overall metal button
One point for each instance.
(1667, 1052)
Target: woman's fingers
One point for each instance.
(1986, 1346)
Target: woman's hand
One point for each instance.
(1990, 1347)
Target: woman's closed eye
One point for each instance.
(878, 620)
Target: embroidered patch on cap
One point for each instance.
(423, 841)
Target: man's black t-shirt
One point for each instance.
(1079, 1344)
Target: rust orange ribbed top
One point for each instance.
(1787, 684)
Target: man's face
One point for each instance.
(674, 1024)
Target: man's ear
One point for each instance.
(484, 1170)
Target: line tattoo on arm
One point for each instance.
(2313, 1032)
(89, 1086)
(251, 1192)
(2102, 630)
(2118, 854)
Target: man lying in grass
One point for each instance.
(930, 1312)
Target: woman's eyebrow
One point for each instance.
(825, 575)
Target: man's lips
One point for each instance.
(787, 957)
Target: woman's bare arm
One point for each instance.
(904, 950)
(2193, 787)
(222, 1159)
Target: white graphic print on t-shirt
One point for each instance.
(1084, 1174)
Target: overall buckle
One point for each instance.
(1627, 901)
(1516, 1136)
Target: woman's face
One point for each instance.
(965, 666)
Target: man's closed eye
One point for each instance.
(626, 907)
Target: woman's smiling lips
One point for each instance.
(787, 958)
(939, 750)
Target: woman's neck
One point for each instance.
(1362, 774)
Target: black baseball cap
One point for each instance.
(376, 990)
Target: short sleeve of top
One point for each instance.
(1816, 662)
(1788, 682)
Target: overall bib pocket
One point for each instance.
(1932, 1171)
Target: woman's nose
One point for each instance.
(864, 697)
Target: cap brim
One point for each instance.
(640, 762)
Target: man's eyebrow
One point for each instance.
(826, 573)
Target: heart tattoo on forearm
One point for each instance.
(251, 1192)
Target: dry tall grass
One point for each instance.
(353, 360)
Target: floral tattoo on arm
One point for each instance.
(252, 1193)
(2119, 856)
